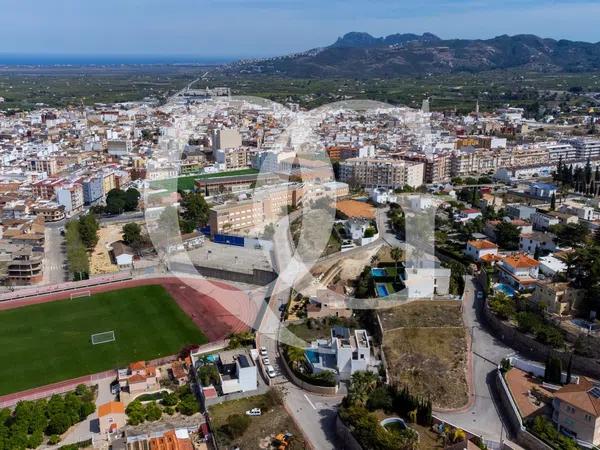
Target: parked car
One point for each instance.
(263, 351)
(254, 412)
(479, 295)
(266, 360)
(271, 371)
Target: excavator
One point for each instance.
(282, 440)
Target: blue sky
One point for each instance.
(238, 28)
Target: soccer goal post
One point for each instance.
(80, 294)
(103, 338)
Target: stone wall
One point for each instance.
(523, 437)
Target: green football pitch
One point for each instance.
(50, 342)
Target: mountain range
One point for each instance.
(361, 55)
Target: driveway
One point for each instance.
(483, 417)
(54, 255)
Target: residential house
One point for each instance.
(550, 265)
(478, 248)
(138, 377)
(519, 211)
(467, 215)
(111, 417)
(558, 298)
(327, 303)
(577, 410)
(543, 190)
(343, 353)
(543, 221)
(237, 371)
(534, 241)
(519, 271)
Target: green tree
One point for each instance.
(397, 254)
(507, 235)
(88, 230)
(194, 210)
(131, 199)
(362, 384)
(553, 370)
(152, 412)
(132, 234)
(115, 201)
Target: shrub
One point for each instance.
(380, 398)
(237, 424)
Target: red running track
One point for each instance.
(217, 308)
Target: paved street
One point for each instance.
(54, 255)
(483, 417)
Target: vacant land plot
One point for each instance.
(50, 342)
(431, 362)
(262, 429)
(426, 349)
(422, 314)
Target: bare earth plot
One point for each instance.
(426, 349)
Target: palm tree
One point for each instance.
(295, 355)
(362, 384)
(397, 254)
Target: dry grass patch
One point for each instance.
(431, 362)
(428, 313)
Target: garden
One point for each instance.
(182, 401)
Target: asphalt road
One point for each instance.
(54, 256)
(483, 417)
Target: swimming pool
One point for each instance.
(505, 288)
(212, 358)
(378, 272)
(312, 356)
(382, 290)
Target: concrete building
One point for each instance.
(119, 147)
(47, 165)
(390, 173)
(111, 417)
(267, 206)
(226, 138)
(519, 271)
(479, 248)
(71, 197)
(237, 371)
(577, 411)
(343, 353)
(93, 189)
(234, 158)
(531, 242)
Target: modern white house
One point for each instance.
(344, 353)
(237, 371)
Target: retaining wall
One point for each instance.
(535, 350)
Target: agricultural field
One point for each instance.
(50, 342)
(426, 350)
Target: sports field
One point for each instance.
(50, 342)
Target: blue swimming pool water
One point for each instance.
(212, 358)
(505, 288)
(378, 272)
(382, 290)
(312, 356)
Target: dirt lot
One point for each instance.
(262, 430)
(422, 314)
(100, 261)
(431, 362)
(425, 347)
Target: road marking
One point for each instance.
(309, 402)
